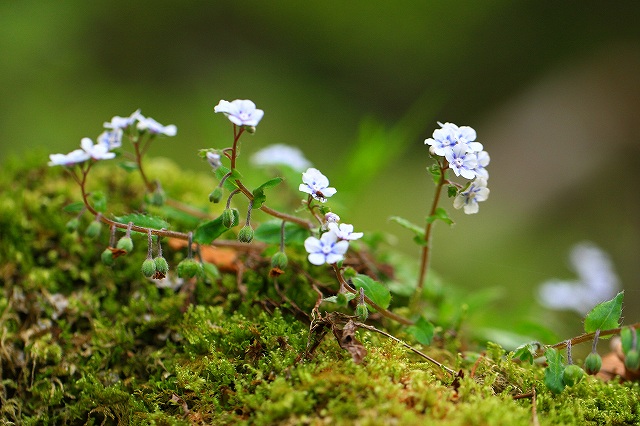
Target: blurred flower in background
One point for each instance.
(597, 281)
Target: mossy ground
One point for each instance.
(83, 343)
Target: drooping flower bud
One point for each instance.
(632, 360)
(148, 267)
(107, 257)
(93, 230)
(593, 363)
(227, 217)
(216, 195)
(572, 375)
(246, 234)
(161, 265)
(73, 224)
(279, 260)
(362, 312)
(188, 268)
(125, 243)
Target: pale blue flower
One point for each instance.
(280, 154)
(150, 125)
(462, 162)
(74, 157)
(118, 122)
(240, 112)
(327, 249)
(449, 135)
(97, 151)
(214, 160)
(316, 184)
(470, 197)
(483, 161)
(331, 218)
(344, 231)
(111, 138)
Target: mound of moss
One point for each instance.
(86, 343)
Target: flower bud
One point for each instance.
(632, 360)
(161, 265)
(125, 243)
(107, 257)
(362, 312)
(73, 224)
(250, 129)
(216, 195)
(188, 268)
(93, 230)
(246, 234)
(572, 375)
(148, 267)
(227, 218)
(279, 260)
(236, 217)
(593, 363)
(158, 198)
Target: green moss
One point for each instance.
(86, 343)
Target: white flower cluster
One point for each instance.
(111, 139)
(466, 158)
(334, 243)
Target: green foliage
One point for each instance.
(269, 232)
(258, 194)
(208, 231)
(144, 220)
(605, 316)
(440, 214)
(377, 292)
(423, 331)
(553, 374)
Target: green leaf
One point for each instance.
(452, 191)
(418, 230)
(375, 291)
(143, 220)
(553, 372)
(99, 201)
(128, 166)
(74, 207)
(605, 315)
(208, 231)
(258, 194)
(526, 352)
(435, 172)
(334, 299)
(269, 232)
(230, 182)
(440, 214)
(422, 331)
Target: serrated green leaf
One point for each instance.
(375, 291)
(146, 221)
(440, 214)
(208, 231)
(526, 352)
(605, 315)
(99, 201)
(422, 331)
(553, 372)
(269, 232)
(418, 230)
(74, 207)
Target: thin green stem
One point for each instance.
(426, 248)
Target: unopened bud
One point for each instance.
(362, 312)
(279, 260)
(227, 218)
(593, 363)
(632, 360)
(572, 375)
(107, 257)
(216, 195)
(246, 234)
(161, 265)
(148, 267)
(188, 268)
(349, 272)
(73, 224)
(158, 198)
(93, 230)
(125, 243)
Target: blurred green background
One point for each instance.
(552, 88)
